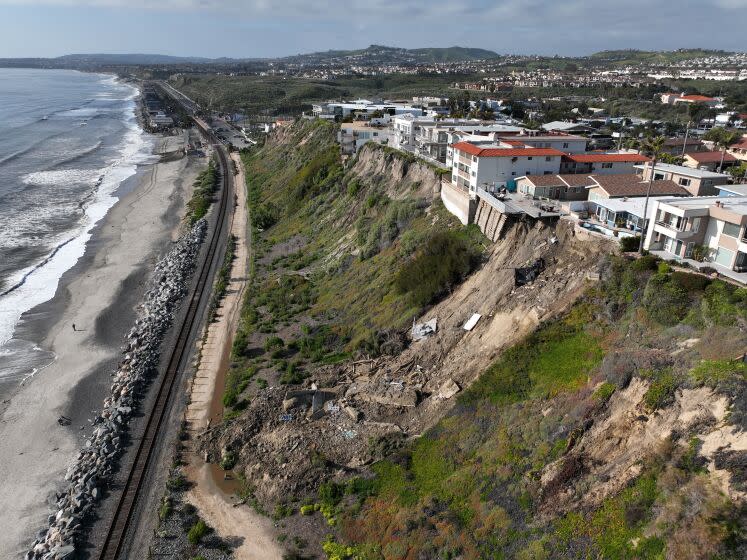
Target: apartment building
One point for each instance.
(493, 166)
(698, 182)
(434, 139)
(601, 164)
(567, 143)
(715, 226)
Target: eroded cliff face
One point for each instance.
(608, 425)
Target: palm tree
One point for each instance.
(653, 147)
(723, 139)
(724, 142)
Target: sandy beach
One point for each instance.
(99, 295)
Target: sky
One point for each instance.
(269, 28)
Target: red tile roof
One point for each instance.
(593, 158)
(696, 98)
(710, 157)
(505, 152)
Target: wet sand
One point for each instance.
(100, 295)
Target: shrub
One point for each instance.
(664, 300)
(646, 262)
(690, 282)
(444, 262)
(274, 343)
(605, 391)
(228, 461)
(308, 509)
(197, 532)
(630, 244)
(712, 372)
(292, 375)
(661, 391)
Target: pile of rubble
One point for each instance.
(95, 461)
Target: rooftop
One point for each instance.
(504, 152)
(736, 204)
(632, 205)
(686, 171)
(681, 141)
(738, 190)
(570, 180)
(630, 184)
(593, 158)
(710, 157)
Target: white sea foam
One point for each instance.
(39, 283)
(63, 176)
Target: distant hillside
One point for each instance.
(129, 59)
(382, 53)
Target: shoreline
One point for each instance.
(100, 293)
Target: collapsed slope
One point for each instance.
(324, 382)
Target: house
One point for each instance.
(674, 146)
(739, 150)
(354, 135)
(624, 213)
(557, 187)
(434, 139)
(492, 166)
(710, 228)
(709, 160)
(698, 182)
(601, 164)
(569, 127)
(675, 98)
(630, 185)
(732, 190)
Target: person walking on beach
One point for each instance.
(74, 326)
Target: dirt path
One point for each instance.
(254, 534)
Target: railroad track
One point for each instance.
(123, 516)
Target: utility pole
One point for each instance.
(684, 144)
(644, 228)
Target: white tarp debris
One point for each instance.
(422, 330)
(470, 324)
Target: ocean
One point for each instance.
(68, 140)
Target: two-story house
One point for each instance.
(717, 226)
(698, 182)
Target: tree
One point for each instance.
(652, 147)
(723, 139)
(739, 172)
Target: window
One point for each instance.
(530, 158)
(548, 172)
(548, 158)
(684, 182)
(565, 144)
(513, 173)
(607, 165)
(453, 178)
(527, 173)
(474, 158)
(474, 174)
(732, 230)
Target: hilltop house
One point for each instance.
(630, 185)
(556, 187)
(717, 225)
(709, 160)
(601, 164)
(698, 182)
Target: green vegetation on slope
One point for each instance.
(204, 188)
(470, 487)
(332, 257)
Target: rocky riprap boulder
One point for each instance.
(96, 461)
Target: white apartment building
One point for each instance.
(717, 224)
(568, 143)
(343, 108)
(492, 167)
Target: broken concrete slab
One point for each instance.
(448, 389)
(391, 393)
(471, 322)
(423, 330)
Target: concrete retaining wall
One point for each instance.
(458, 202)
